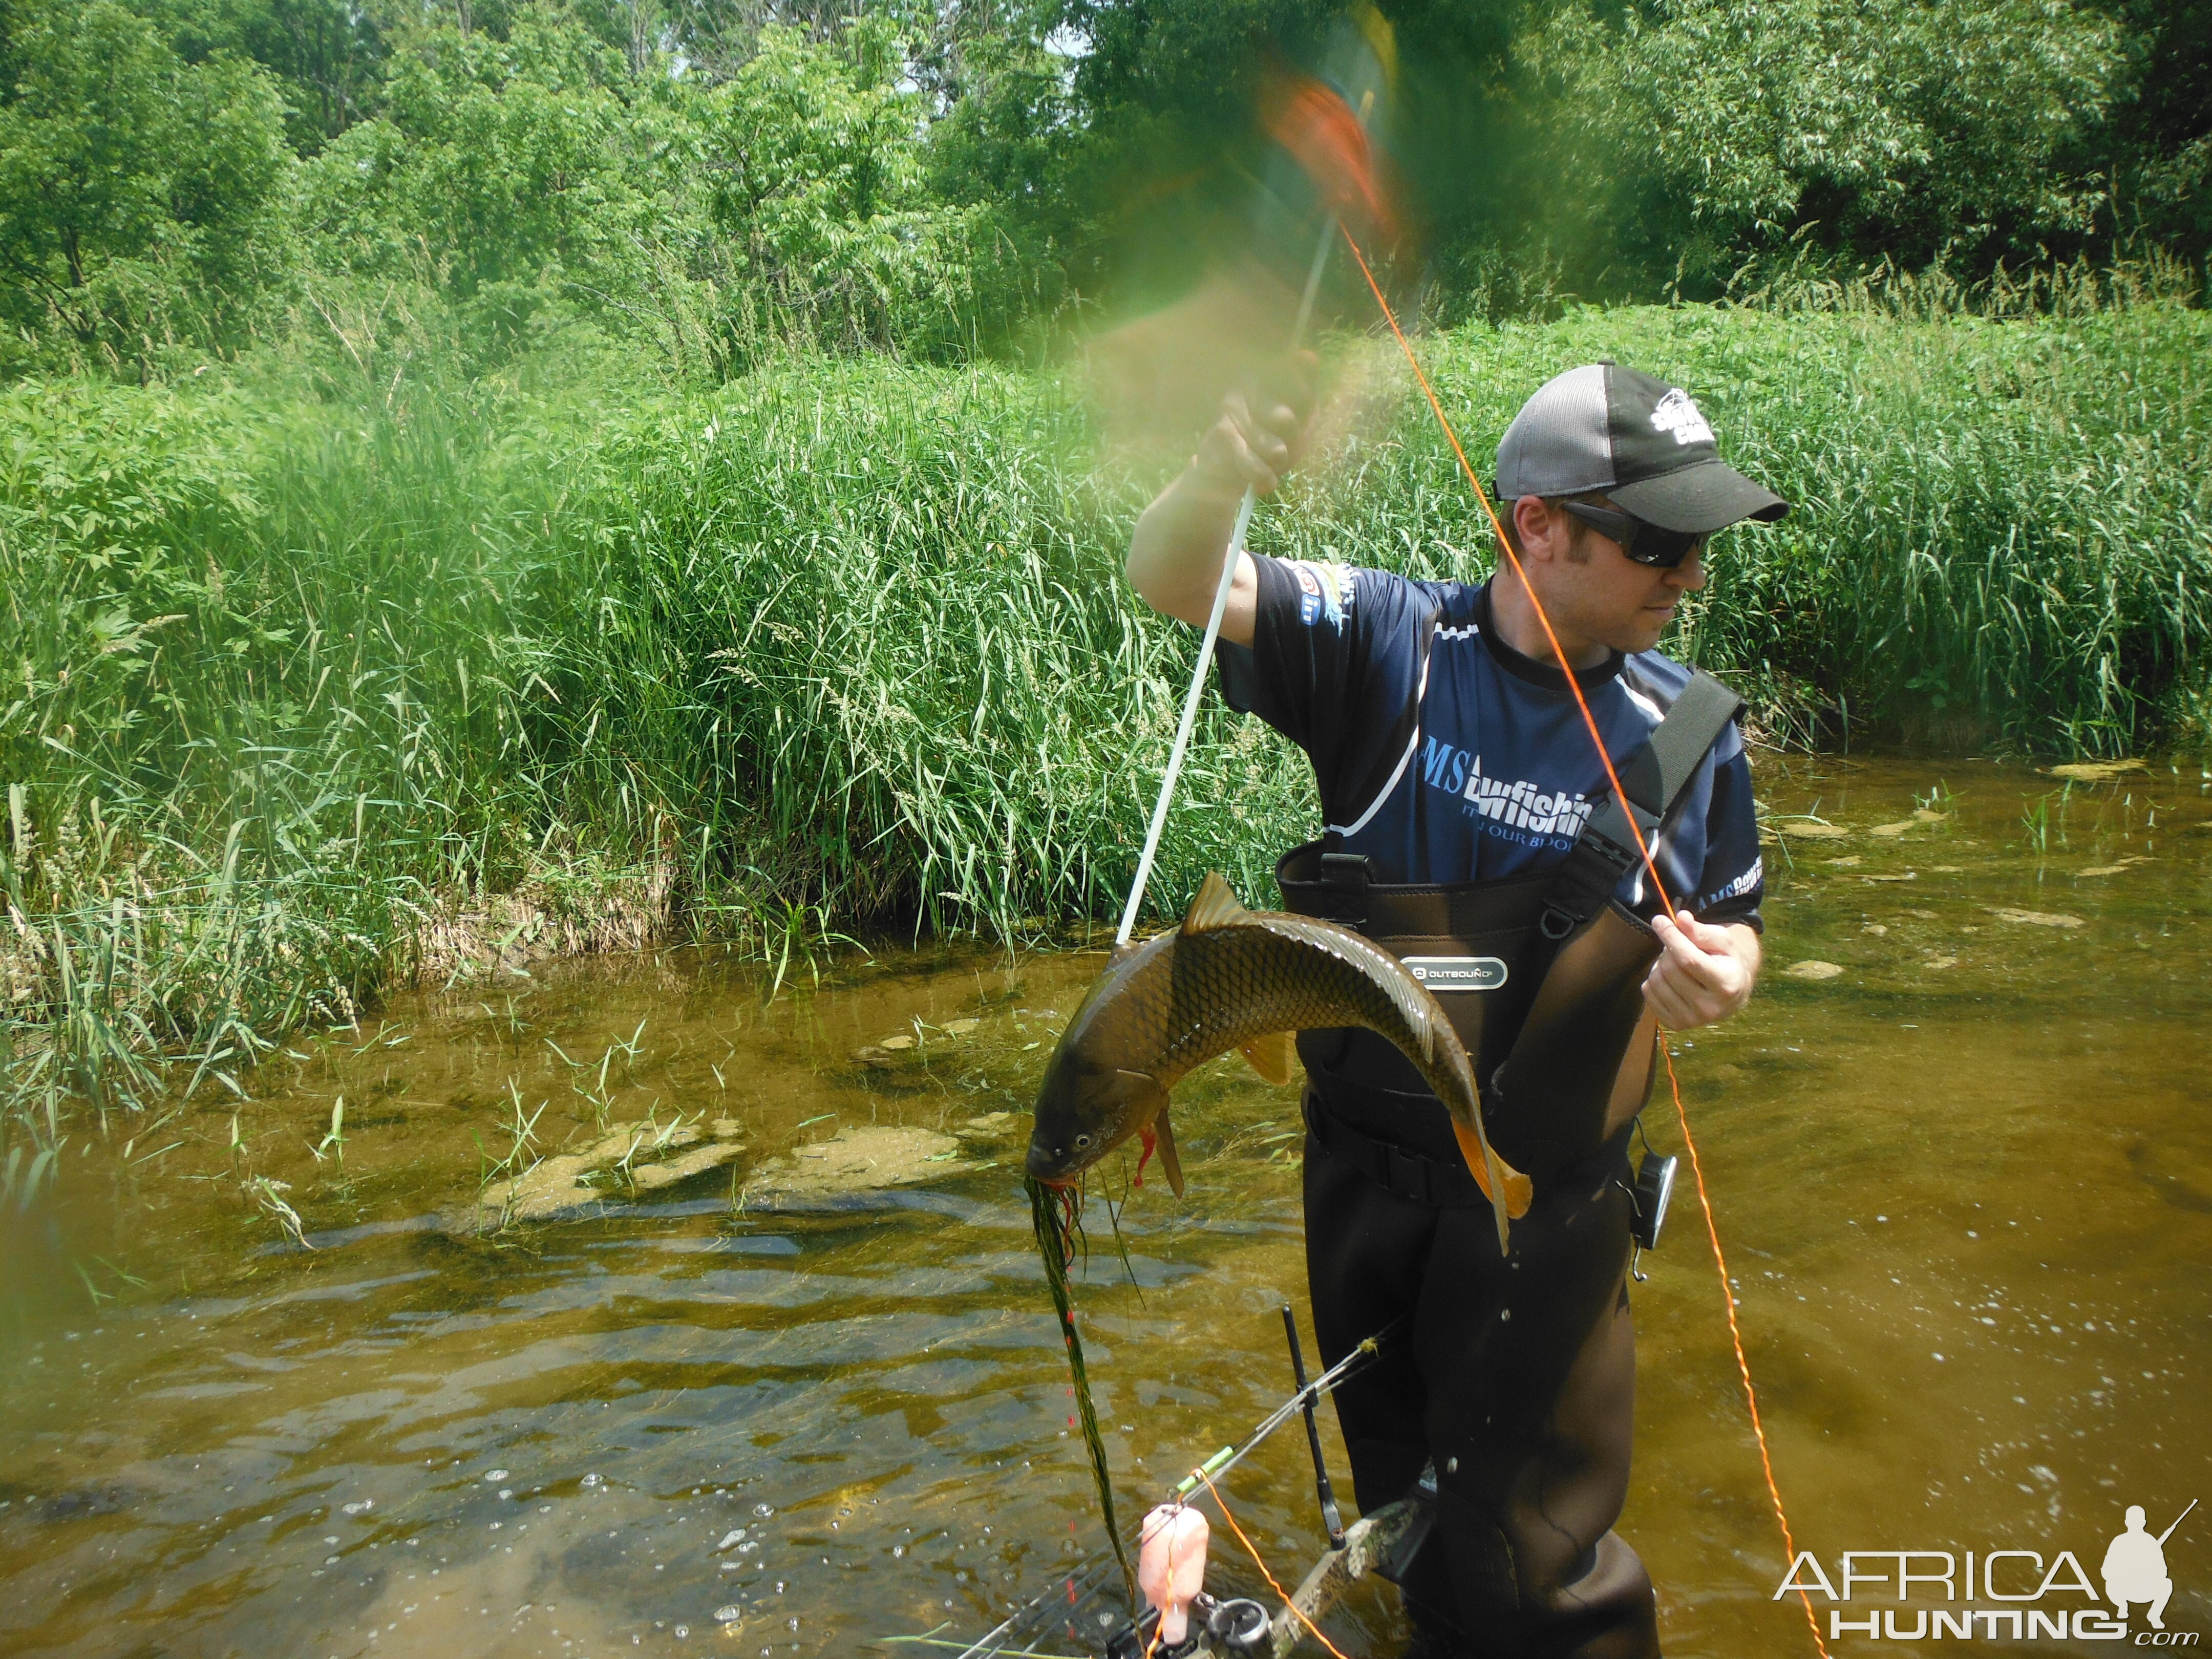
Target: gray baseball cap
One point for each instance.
(1639, 440)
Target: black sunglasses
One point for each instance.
(1646, 544)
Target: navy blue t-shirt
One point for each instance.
(1445, 755)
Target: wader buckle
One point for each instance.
(1398, 1169)
(1344, 877)
(1603, 853)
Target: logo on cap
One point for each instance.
(1676, 414)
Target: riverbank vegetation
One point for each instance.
(480, 480)
(320, 678)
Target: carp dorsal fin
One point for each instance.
(1271, 1056)
(1216, 905)
(1169, 1161)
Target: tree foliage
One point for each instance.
(137, 192)
(1917, 130)
(716, 179)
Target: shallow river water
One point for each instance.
(1964, 1185)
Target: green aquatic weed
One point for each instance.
(1054, 1244)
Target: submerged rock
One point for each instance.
(629, 1159)
(1810, 969)
(854, 1166)
(2098, 771)
(989, 1126)
(2035, 918)
(880, 1053)
(2118, 868)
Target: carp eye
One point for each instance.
(1081, 1141)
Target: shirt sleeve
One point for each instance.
(1733, 879)
(1334, 661)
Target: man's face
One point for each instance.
(1595, 591)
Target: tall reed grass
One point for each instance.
(314, 682)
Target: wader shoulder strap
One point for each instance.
(1658, 773)
(1654, 780)
(1345, 876)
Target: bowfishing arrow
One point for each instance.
(1227, 580)
(1341, 170)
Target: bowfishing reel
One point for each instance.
(1648, 1199)
(1237, 1627)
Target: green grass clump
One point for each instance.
(2002, 530)
(263, 729)
(316, 683)
(872, 620)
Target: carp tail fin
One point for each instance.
(1509, 1191)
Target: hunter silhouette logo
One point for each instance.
(2135, 1566)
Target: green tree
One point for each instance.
(325, 54)
(2161, 147)
(1688, 141)
(1164, 148)
(526, 177)
(140, 196)
(818, 188)
(328, 54)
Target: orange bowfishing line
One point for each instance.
(1574, 684)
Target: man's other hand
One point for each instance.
(1704, 973)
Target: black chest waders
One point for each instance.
(1540, 973)
(1517, 1384)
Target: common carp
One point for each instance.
(1233, 978)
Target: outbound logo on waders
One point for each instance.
(1457, 973)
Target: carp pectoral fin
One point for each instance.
(1271, 1056)
(1147, 1103)
(1169, 1161)
(1216, 905)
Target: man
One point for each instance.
(2135, 1569)
(1469, 831)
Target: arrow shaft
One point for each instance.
(1228, 579)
